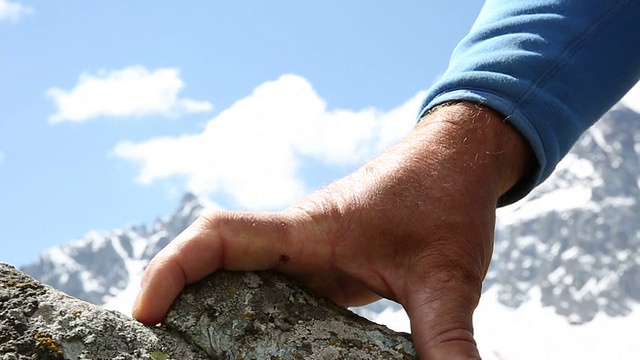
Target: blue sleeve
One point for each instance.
(551, 67)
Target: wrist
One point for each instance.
(481, 142)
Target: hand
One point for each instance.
(414, 225)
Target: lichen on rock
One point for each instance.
(246, 315)
(228, 315)
(39, 322)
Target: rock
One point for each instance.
(39, 322)
(228, 315)
(245, 315)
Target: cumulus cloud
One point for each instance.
(252, 151)
(632, 98)
(13, 11)
(1, 158)
(132, 91)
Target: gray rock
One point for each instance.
(228, 315)
(39, 322)
(245, 315)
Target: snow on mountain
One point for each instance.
(534, 332)
(564, 282)
(576, 237)
(106, 267)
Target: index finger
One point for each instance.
(217, 240)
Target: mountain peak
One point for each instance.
(100, 265)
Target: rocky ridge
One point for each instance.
(228, 315)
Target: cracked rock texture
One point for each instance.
(39, 322)
(228, 315)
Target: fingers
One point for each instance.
(229, 240)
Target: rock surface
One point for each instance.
(39, 322)
(228, 315)
(265, 316)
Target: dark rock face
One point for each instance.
(576, 237)
(228, 315)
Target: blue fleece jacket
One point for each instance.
(551, 67)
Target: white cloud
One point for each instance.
(1, 157)
(252, 150)
(13, 11)
(632, 98)
(132, 91)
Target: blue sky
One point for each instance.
(110, 111)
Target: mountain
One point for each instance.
(565, 272)
(101, 267)
(576, 237)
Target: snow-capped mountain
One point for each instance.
(104, 267)
(577, 237)
(565, 271)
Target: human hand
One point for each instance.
(414, 225)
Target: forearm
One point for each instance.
(490, 153)
(551, 67)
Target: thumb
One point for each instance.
(441, 323)
(216, 240)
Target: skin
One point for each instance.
(414, 225)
